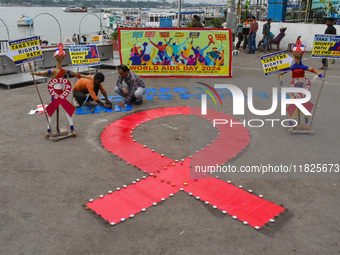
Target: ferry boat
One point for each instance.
(153, 19)
(129, 18)
(75, 9)
(95, 9)
(140, 18)
(24, 21)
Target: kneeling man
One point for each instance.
(92, 86)
(134, 89)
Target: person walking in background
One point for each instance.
(254, 26)
(330, 30)
(266, 35)
(196, 21)
(239, 33)
(246, 28)
(74, 39)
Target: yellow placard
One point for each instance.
(84, 55)
(19, 46)
(326, 46)
(25, 50)
(27, 55)
(275, 63)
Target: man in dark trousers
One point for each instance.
(246, 28)
(266, 35)
(90, 86)
(134, 88)
(254, 26)
(239, 33)
(330, 30)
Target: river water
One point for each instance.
(47, 27)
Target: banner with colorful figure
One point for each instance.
(177, 52)
(325, 9)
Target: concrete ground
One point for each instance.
(44, 184)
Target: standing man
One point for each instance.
(92, 86)
(196, 21)
(246, 28)
(254, 26)
(135, 88)
(266, 35)
(330, 30)
(239, 33)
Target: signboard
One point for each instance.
(325, 9)
(326, 46)
(25, 50)
(84, 55)
(165, 22)
(275, 63)
(176, 52)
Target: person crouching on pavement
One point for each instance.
(92, 86)
(134, 89)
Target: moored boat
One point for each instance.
(25, 21)
(75, 9)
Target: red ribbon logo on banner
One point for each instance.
(210, 37)
(59, 95)
(93, 51)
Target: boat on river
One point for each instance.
(140, 18)
(75, 9)
(24, 21)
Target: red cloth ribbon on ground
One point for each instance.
(166, 179)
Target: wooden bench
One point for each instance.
(277, 46)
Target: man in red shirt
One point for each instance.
(92, 86)
(254, 26)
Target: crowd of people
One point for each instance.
(246, 34)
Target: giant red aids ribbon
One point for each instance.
(168, 177)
